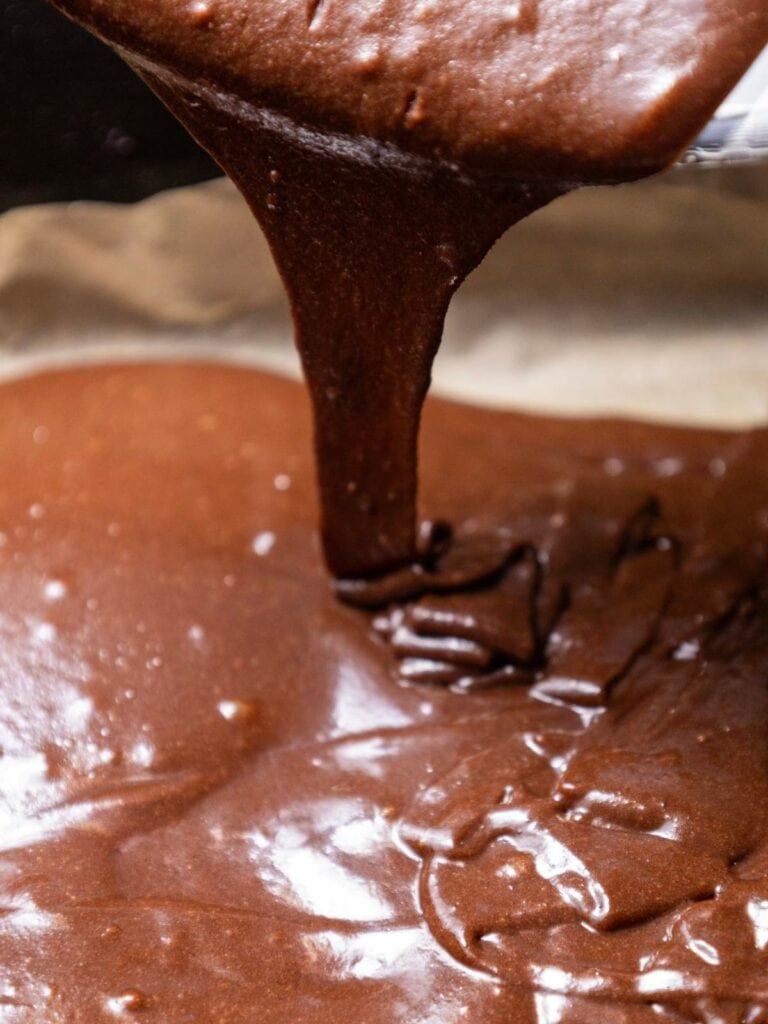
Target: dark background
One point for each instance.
(75, 122)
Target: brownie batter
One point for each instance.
(384, 146)
(526, 780)
(219, 803)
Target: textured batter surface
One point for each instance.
(220, 798)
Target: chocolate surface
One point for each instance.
(589, 88)
(219, 797)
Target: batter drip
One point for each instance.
(385, 147)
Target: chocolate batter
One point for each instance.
(385, 146)
(219, 803)
(528, 781)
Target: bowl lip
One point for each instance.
(738, 132)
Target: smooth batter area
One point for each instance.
(219, 801)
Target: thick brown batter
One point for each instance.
(220, 805)
(528, 782)
(384, 146)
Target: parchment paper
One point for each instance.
(649, 300)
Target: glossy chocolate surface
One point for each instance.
(578, 88)
(221, 798)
